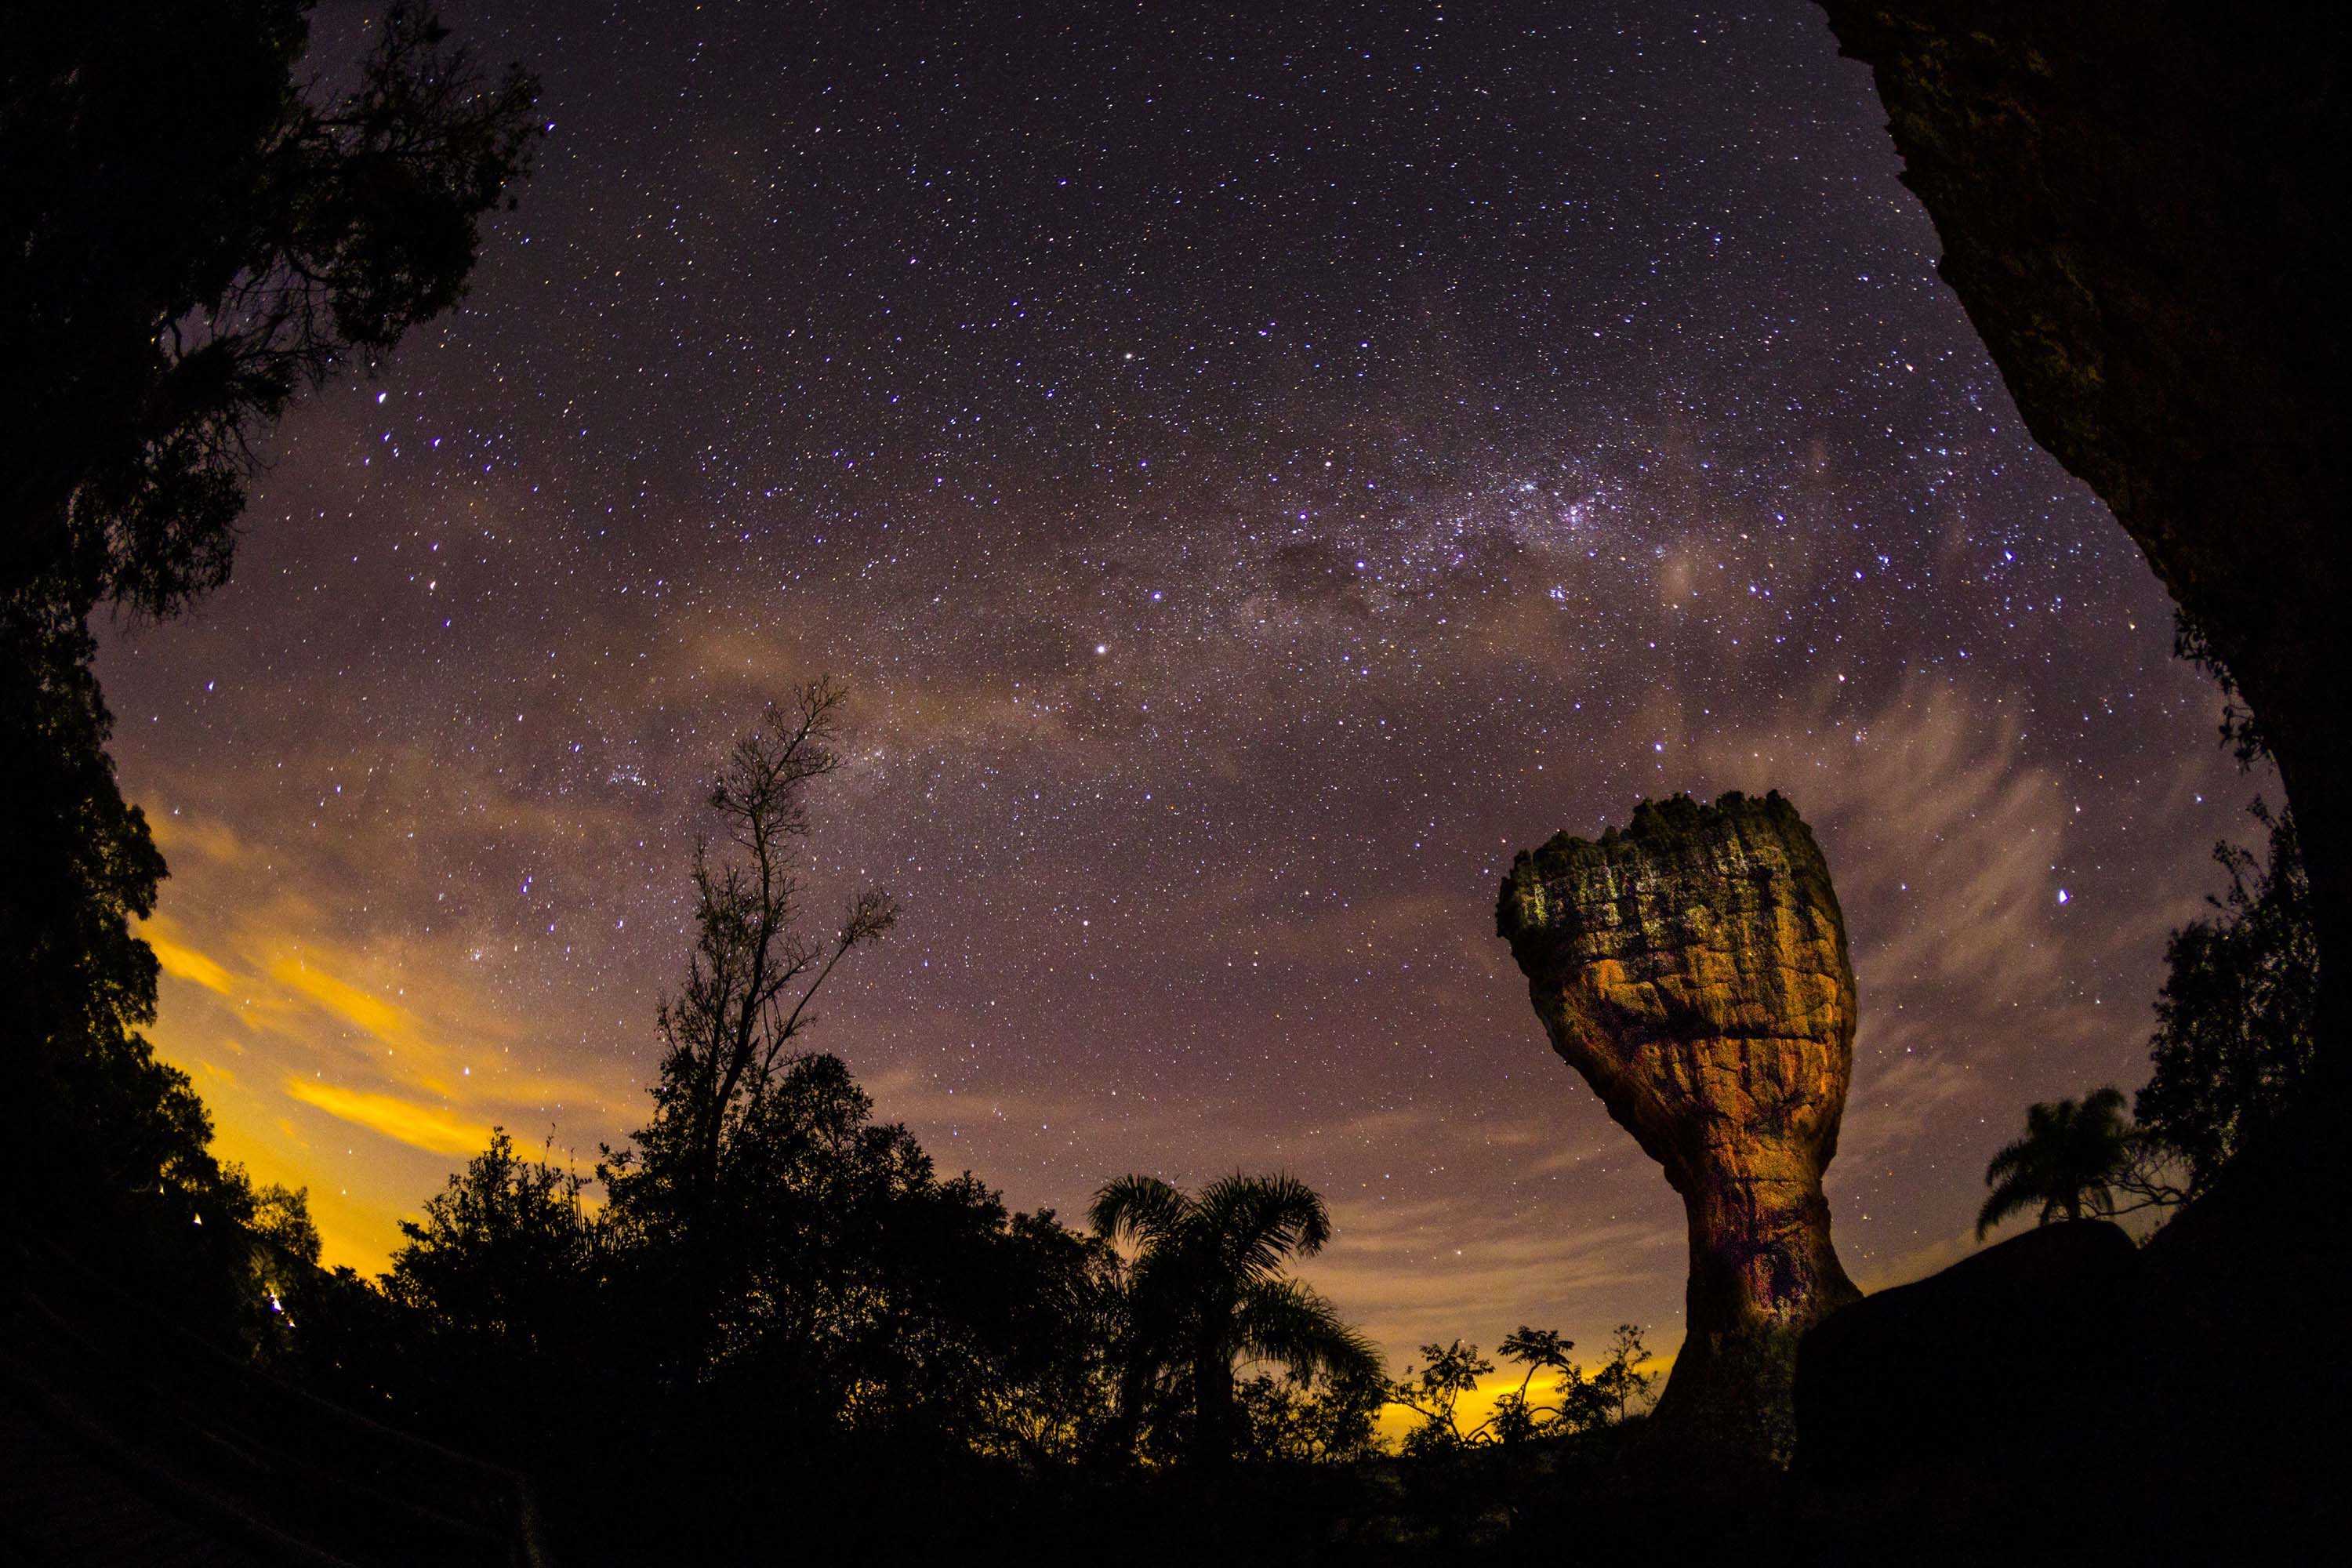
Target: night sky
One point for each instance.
(1256, 468)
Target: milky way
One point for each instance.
(1255, 475)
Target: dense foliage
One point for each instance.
(773, 1273)
(190, 238)
(2236, 1020)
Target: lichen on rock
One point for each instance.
(1693, 967)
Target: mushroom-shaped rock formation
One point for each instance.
(1693, 967)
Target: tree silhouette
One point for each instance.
(282, 1226)
(1314, 1419)
(2072, 1155)
(190, 238)
(506, 1237)
(497, 1285)
(2236, 1020)
(1433, 1391)
(740, 1114)
(1579, 1402)
(76, 868)
(1206, 1289)
(1621, 1383)
(115, 1144)
(284, 1250)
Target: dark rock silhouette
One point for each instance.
(1885, 1396)
(2066, 1388)
(1694, 968)
(2132, 200)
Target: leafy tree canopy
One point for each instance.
(1206, 1289)
(192, 233)
(2235, 1021)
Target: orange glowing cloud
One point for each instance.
(420, 1126)
(384, 1020)
(187, 964)
(209, 837)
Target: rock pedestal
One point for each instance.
(1693, 967)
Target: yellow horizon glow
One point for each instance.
(1478, 1404)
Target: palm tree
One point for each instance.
(2069, 1160)
(1207, 1288)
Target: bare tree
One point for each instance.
(756, 969)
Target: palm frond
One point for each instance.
(2073, 1154)
(2010, 1159)
(2006, 1198)
(1165, 1292)
(1261, 1220)
(1143, 1209)
(1290, 1324)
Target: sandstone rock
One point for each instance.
(1694, 968)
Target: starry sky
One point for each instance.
(1256, 468)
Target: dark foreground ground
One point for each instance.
(2063, 1395)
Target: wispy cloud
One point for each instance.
(425, 1126)
(187, 964)
(384, 1020)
